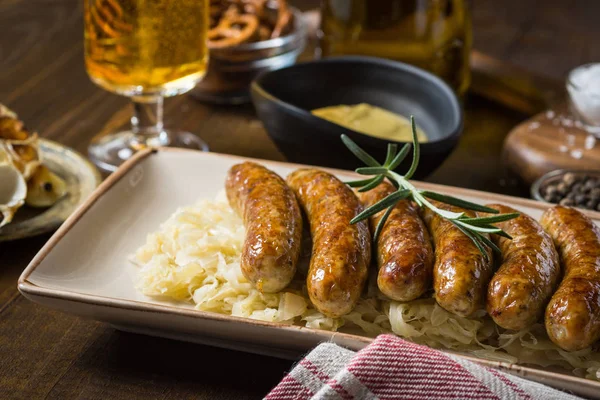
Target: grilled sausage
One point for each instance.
(461, 273)
(521, 288)
(341, 251)
(573, 314)
(273, 225)
(404, 252)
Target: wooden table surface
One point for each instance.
(46, 354)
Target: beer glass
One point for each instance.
(146, 50)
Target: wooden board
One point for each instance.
(550, 140)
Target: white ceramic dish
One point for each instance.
(84, 268)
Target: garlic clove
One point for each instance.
(13, 191)
(4, 155)
(44, 188)
(7, 112)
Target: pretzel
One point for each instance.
(284, 17)
(264, 32)
(233, 31)
(255, 7)
(107, 18)
(234, 22)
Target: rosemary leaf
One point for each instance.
(360, 183)
(504, 234)
(400, 156)
(389, 201)
(416, 150)
(492, 230)
(474, 239)
(474, 228)
(490, 220)
(458, 202)
(394, 183)
(391, 153)
(374, 183)
(487, 228)
(371, 170)
(360, 153)
(422, 201)
(490, 244)
(381, 224)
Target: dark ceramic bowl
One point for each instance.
(284, 98)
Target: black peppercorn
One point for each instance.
(551, 190)
(562, 188)
(569, 178)
(566, 202)
(554, 199)
(551, 193)
(577, 188)
(579, 199)
(589, 185)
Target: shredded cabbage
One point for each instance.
(195, 258)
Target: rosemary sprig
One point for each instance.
(474, 228)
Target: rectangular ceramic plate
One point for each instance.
(84, 268)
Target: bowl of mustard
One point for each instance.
(306, 107)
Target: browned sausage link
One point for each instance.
(573, 314)
(404, 252)
(461, 273)
(341, 251)
(273, 225)
(528, 275)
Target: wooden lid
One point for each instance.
(551, 140)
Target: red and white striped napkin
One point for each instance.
(392, 368)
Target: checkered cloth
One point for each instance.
(392, 368)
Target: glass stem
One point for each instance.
(147, 122)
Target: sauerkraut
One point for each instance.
(195, 258)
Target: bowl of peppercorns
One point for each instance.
(574, 188)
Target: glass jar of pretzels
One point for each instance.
(247, 37)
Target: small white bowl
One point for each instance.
(584, 98)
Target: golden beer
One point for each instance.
(146, 47)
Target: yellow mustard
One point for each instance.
(370, 120)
